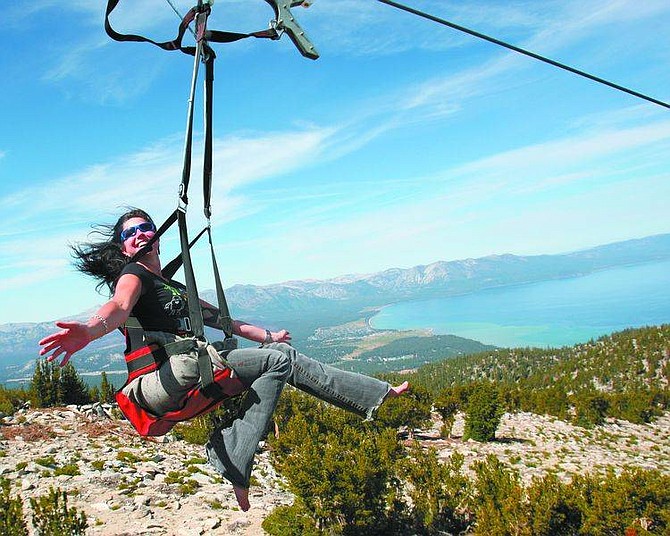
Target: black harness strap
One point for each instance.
(225, 319)
(175, 44)
(215, 36)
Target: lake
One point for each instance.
(552, 313)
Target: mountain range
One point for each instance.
(310, 304)
(444, 278)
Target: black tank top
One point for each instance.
(162, 303)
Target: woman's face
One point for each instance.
(135, 233)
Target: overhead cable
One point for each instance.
(179, 15)
(523, 51)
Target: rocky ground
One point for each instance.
(538, 444)
(130, 486)
(127, 485)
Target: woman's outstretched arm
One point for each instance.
(74, 336)
(262, 335)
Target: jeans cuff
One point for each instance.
(370, 414)
(215, 461)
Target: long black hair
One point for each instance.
(104, 260)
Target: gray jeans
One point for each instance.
(264, 372)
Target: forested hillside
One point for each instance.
(624, 375)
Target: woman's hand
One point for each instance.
(281, 336)
(73, 337)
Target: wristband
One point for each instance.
(268, 337)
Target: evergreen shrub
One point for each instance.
(55, 386)
(497, 503)
(436, 490)
(343, 474)
(636, 501)
(12, 522)
(447, 405)
(552, 508)
(52, 517)
(293, 520)
(411, 410)
(198, 430)
(483, 413)
(590, 409)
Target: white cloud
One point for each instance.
(30, 273)
(244, 160)
(442, 214)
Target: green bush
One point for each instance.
(637, 499)
(436, 491)
(497, 499)
(12, 522)
(47, 461)
(447, 405)
(635, 502)
(198, 430)
(590, 409)
(11, 399)
(343, 475)
(553, 508)
(52, 517)
(411, 410)
(638, 406)
(127, 457)
(483, 413)
(70, 469)
(291, 520)
(195, 431)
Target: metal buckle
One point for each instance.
(184, 324)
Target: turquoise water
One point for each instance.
(546, 314)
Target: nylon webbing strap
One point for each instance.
(225, 319)
(209, 387)
(215, 36)
(194, 309)
(174, 44)
(134, 334)
(174, 265)
(207, 156)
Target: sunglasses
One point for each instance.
(144, 227)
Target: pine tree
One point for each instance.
(106, 389)
(94, 394)
(38, 385)
(72, 390)
(447, 404)
(483, 413)
(55, 393)
(45, 388)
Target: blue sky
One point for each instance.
(404, 144)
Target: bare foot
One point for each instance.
(399, 390)
(242, 496)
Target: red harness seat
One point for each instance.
(146, 360)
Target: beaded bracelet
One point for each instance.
(102, 321)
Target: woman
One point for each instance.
(139, 290)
